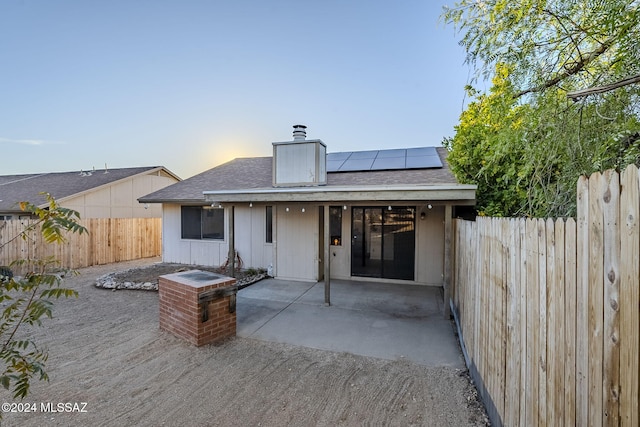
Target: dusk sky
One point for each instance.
(192, 84)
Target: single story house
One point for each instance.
(105, 193)
(373, 215)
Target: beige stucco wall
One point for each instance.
(119, 200)
(295, 251)
(297, 243)
(430, 246)
(249, 240)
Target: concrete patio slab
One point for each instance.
(388, 321)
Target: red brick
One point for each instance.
(181, 315)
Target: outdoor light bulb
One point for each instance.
(302, 209)
(429, 206)
(344, 207)
(250, 204)
(389, 208)
(287, 209)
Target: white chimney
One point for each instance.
(299, 132)
(301, 162)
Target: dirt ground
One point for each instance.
(107, 354)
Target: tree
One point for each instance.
(529, 142)
(486, 151)
(573, 43)
(29, 298)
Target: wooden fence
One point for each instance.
(108, 240)
(549, 311)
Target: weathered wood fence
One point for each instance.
(549, 311)
(109, 240)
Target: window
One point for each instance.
(335, 225)
(202, 223)
(269, 224)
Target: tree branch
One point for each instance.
(606, 88)
(577, 67)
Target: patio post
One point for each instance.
(327, 257)
(448, 258)
(232, 247)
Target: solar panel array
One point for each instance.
(379, 160)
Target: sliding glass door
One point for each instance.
(383, 242)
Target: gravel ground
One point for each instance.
(106, 351)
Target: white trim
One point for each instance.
(461, 193)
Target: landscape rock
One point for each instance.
(146, 278)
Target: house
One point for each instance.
(375, 215)
(106, 193)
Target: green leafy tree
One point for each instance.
(550, 42)
(26, 300)
(525, 142)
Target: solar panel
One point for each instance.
(352, 165)
(392, 153)
(334, 165)
(423, 162)
(387, 163)
(357, 155)
(377, 160)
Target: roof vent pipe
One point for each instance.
(299, 132)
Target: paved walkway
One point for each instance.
(388, 321)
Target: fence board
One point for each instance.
(630, 298)
(107, 240)
(596, 295)
(485, 331)
(521, 225)
(552, 309)
(513, 304)
(500, 258)
(610, 193)
(559, 350)
(582, 301)
(554, 347)
(570, 316)
(533, 323)
(541, 328)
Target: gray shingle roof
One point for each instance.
(61, 185)
(256, 173)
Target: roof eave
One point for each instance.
(460, 194)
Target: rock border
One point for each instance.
(109, 281)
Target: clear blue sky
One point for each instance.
(192, 84)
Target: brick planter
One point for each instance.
(183, 314)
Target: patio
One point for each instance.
(387, 321)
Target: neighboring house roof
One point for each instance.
(251, 179)
(62, 185)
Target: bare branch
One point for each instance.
(606, 88)
(571, 70)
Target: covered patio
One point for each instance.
(382, 320)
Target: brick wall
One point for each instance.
(181, 315)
